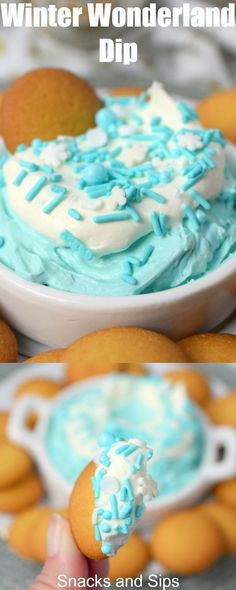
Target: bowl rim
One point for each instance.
(225, 271)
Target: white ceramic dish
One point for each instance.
(56, 318)
(212, 469)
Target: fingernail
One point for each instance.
(68, 551)
(55, 533)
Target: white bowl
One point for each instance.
(56, 318)
(212, 470)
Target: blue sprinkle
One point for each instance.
(21, 148)
(122, 449)
(47, 169)
(20, 177)
(107, 515)
(97, 533)
(29, 165)
(35, 190)
(155, 121)
(100, 512)
(129, 489)
(152, 195)
(137, 119)
(129, 279)
(192, 181)
(163, 223)
(106, 439)
(135, 261)
(81, 184)
(138, 511)
(105, 117)
(126, 510)
(76, 245)
(37, 143)
(131, 449)
(149, 454)
(191, 216)
(114, 506)
(111, 217)
(106, 527)
(57, 188)
(106, 548)
(148, 252)
(95, 174)
(155, 219)
(200, 199)
(74, 214)
(133, 213)
(54, 203)
(123, 494)
(188, 114)
(2, 241)
(139, 461)
(56, 178)
(128, 269)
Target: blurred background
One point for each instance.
(189, 62)
(210, 389)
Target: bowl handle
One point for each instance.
(223, 441)
(18, 430)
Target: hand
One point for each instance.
(65, 560)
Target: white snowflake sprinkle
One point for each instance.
(54, 154)
(190, 141)
(96, 137)
(117, 198)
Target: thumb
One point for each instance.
(63, 560)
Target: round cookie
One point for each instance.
(197, 385)
(226, 492)
(218, 111)
(15, 464)
(210, 348)
(27, 535)
(127, 91)
(124, 344)
(20, 532)
(38, 533)
(50, 356)
(225, 518)
(130, 560)
(187, 542)
(8, 347)
(78, 372)
(46, 103)
(43, 387)
(22, 495)
(81, 508)
(222, 411)
(3, 424)
(109, 496)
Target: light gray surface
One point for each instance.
(16, 574)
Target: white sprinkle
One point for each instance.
(117, 198)
(110, 485)
(126, 130)
(97, 137)
(190, 141)
(54, 154)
